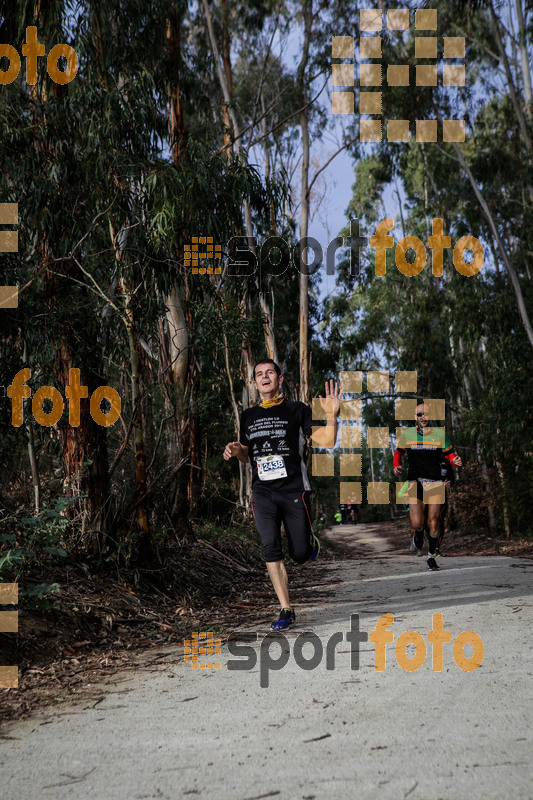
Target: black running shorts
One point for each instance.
(272, 507)
(432, 488)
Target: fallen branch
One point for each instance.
(153, 486)
(125, 442)
(218, 552)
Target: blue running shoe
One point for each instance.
(316, 547)
(287, 619)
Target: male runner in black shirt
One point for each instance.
(273, 436)
(425, 445)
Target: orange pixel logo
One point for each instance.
(8, 624)
(202, 643)
(372, 76)
(9, 243)
(351, 435)
(192, 254)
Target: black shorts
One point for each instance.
(428, 486)
(271, 507)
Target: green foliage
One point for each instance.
(105, 204)
(38, 542)
(462, 335)
(46, 530)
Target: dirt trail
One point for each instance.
(254, 730)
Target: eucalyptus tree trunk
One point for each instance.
(520, 116)
(31, 447)
(307, 8)
(176, 376)
(524, 61)
(480, 457)
(225, 79)
(267, 314)
(179, 375)
(141, 515)
(505, 500)
(178, 338)
(84, 447)
(224, 75)
(229, 132)
(515, 283)
(236, 419)
(249, 397)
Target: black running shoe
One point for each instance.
(432, 564)
(287, 619)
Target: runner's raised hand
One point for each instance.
(331, 403)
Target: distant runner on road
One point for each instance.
(426, 446)
(273, 437)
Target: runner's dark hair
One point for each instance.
(267, 361)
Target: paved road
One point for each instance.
(173, 732)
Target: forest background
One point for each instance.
(209, 119)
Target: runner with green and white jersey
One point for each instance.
(425, 446)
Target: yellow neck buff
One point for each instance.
(274, 402)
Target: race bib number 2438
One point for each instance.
(271, 467)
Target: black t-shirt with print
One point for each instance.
(278, 431)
